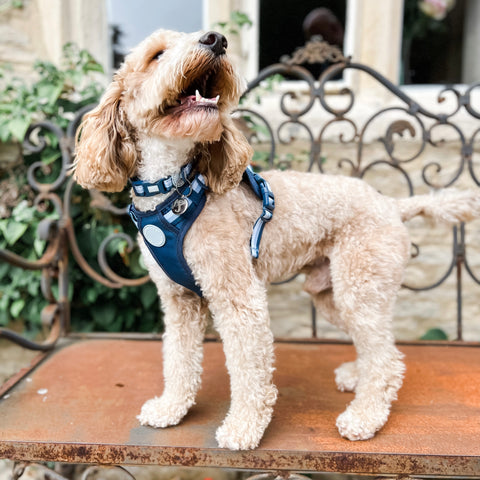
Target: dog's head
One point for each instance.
(173, 86)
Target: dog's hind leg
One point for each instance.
(318, 284)
(366, 273)
(185, 321)
(346, 375)
(242, 320)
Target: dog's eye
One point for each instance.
(158, 55)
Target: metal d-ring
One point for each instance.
(180, 205)
(180, 182)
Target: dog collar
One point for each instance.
(164, 185)
(164, 228)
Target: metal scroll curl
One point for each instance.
(55, 315)
(426, 148)
(54, 188)
(257, 130)
(465, 100)
(35, 142)
(107, 276)
(468, 154)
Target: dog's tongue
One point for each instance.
(197, 98)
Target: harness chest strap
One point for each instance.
(164, 228)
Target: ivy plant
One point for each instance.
(55, 95)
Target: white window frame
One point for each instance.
(219, 10)
(373, 36)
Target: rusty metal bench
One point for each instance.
(78, 401)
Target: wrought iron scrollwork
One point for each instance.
(403, 119)
(314, 51)
(56, 473)
(273, 137)
(59, 234)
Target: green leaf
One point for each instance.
(240, 19)
(4, 268)
(18, 126)
(12, 231)
(33, 286)
(104, 315)
(23, 213)
(16, 307)
(51, 156)
(3, 317)
(6, 108)
(91, 295)
(95, 67)
(434, 334)
(39, 246)
(148, 295)
(49, 92)
(5, 134)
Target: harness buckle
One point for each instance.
(268, 206)
(268, 201)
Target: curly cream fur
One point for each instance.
(347, 238)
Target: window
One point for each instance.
(432, 47)
(286, 25)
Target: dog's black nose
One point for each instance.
(215, 41)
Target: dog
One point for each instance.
(169, 105)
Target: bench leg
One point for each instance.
(244, 326)
(185, 322)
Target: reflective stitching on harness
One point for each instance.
(164, 231)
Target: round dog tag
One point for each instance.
(180, 206)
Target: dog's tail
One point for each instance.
(448, 206)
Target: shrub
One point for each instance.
(56, 95)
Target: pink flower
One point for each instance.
(437, 9)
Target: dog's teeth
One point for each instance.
(198, 97)
(217, 98)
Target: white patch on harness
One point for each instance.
(154, 235)
(153, 188)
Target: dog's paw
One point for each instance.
(244, 432)
(159, 412)
(245, 424)
(346, 377)
(361, 424)
(239, 436)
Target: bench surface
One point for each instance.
(80, 404)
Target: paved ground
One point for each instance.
(12, 359)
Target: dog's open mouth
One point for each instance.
(201, 93)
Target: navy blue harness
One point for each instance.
(164, 228)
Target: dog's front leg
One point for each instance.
(185, 320)
(243, 322)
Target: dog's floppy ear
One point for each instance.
(105, 150)
(223, 162)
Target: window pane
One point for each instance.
(286, 25)
(432, 46)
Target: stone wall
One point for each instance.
(416, 312)
(40, 28)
